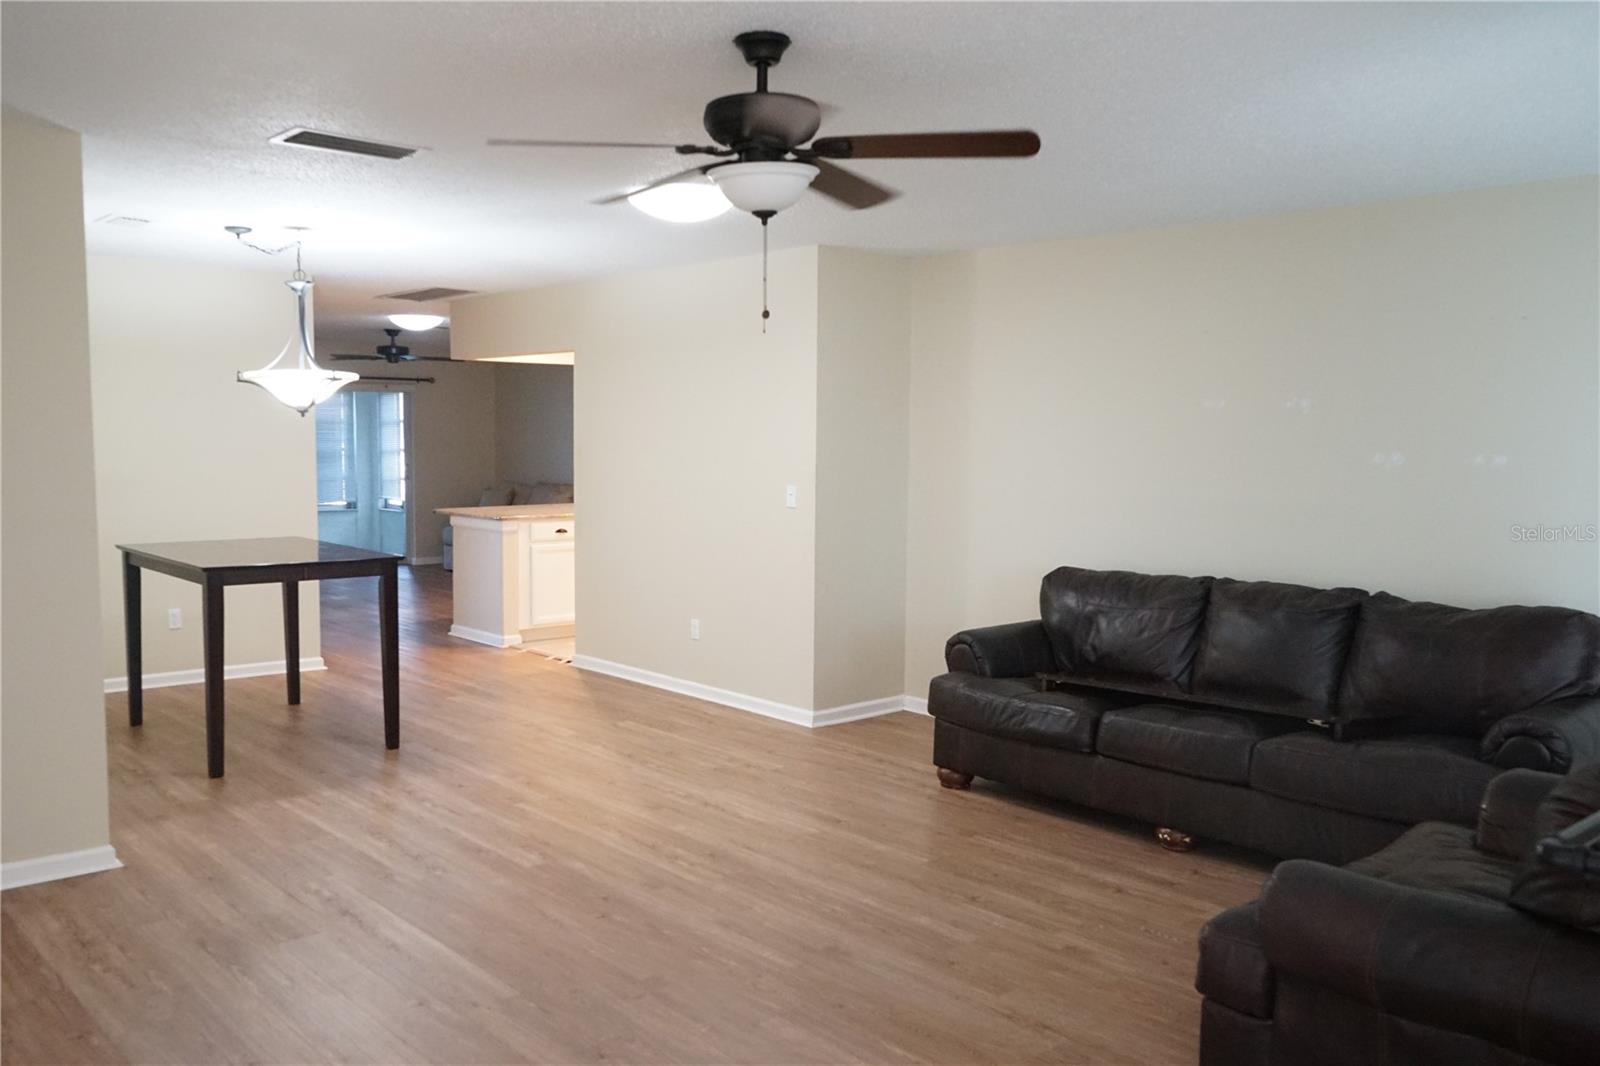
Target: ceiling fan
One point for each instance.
(766, 163)
(395, 353)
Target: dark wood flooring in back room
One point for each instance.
(562, 867)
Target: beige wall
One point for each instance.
(53, 717)
(862, 346)
(1371, 395)
(452, 444)
(689, 423)
(533, 423)
(189, 453)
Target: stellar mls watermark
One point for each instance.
(1577, 533)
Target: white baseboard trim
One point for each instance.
(855, 712)
(783, 712)
(915, 704)
(550, 631)
(229, 673)
(754, 704)
(55, 867)
(483, 636)
(425, 560)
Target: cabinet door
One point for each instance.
(551, 580)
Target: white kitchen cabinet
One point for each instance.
(514, 577)
(550, 598)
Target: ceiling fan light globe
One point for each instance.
(763, 186)
(681, 201)
(414, 323)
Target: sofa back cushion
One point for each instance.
(1270, 645)
(1451, 670)
(550, 492)
(1113, 627)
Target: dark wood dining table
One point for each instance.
(216, 564)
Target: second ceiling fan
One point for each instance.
(394, 352)
(766, 164)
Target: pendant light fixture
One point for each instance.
(294, 379)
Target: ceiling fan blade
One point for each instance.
(346, 356)
(431, 359)
(669, 179)
(681, 149)
(849, 189)
(975, 144)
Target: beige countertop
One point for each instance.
(514, 512)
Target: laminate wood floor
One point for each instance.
(563, 867)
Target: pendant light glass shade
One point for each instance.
(296, 380)
(771, 186)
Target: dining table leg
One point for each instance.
(133, 639)
(389, 637)
(212, 610)
(291, 639)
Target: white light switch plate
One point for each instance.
(791, 496)
(174, 617)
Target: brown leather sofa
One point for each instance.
(1445, 947)
(1302, 722)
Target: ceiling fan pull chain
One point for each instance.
(765, 217)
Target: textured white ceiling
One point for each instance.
(1150, 114)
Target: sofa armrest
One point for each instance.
(1506, 816)
(1554, 736)
(1453, 961)
(1017, 649)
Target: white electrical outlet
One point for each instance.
(174, 617)
(694, 629)
(791, 496)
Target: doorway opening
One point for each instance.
(363, 469)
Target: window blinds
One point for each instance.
(336, 452)
(392, 448)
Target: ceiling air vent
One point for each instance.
(426, 295)
(332, 142)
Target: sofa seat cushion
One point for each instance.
(1197, 742)
(1233, 966)
(1016, 710)
(1443, 858)
(1416, 778)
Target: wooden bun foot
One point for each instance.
(1174, 839)
(954, 778)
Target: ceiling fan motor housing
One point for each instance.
(766, 125)
(762, 125)
(393, 352)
